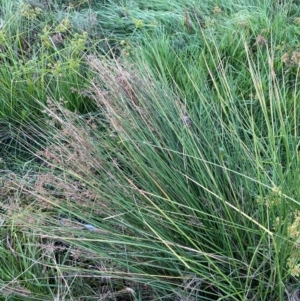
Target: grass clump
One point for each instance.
(191, 204)
(181, 184)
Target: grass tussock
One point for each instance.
(179, 182)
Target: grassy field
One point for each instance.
(149, 150)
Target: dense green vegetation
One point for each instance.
(149, 150)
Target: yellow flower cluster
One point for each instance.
(127, 50)
(57, 69)
(28, 11)
(138, 23)
(63, 26)
(78, 42)
(294, 228)
(293, 263)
